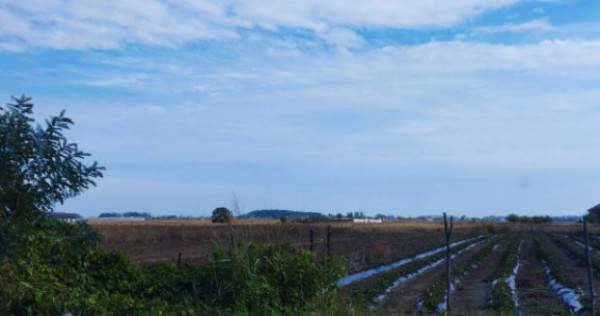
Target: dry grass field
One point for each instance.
(364, 245)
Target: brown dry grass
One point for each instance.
(162, 240)
(174, 222)
(362, 244)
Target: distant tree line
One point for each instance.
(126, 214)
(277, 214)
(514, 218)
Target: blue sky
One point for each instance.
(474, 107)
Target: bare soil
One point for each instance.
(364, 245)
(404, 298)
(535, 297)
(574, 267)
(474, 290)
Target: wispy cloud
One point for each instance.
(103, 25)
(539, 25)
(451, 102)
(316, 104)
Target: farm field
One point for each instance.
(399, 267)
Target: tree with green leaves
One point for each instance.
(38, 166)
(512, 218)
(222, 215)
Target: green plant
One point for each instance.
(502, 301)
(38, 166)
(222, 215)
(501, 295)
(56, 267)
(266, 279)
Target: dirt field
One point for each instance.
(368, 246)
(365, 245)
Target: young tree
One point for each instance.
(222, 215)
(512, 218)
(38, 166)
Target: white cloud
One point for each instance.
(339, 119)
(341, 37)
(445, 102)
(379, 14)
(121, 80)
(106, 25)
(539, 25)
(112, 25)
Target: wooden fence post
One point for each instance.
(312, 238)
(589, 267)
(448, 232)
(328, 240)
(179, 261)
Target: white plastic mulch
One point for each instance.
(368, 273)
(403, 279)
(511, 279)
(568, 295)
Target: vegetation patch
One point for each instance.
(502, 296)
(50, 267)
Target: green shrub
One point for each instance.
(49, 267)
(222, 215)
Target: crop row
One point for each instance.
(377, 270)
(558, 280)
(364, 292)
(503, 296)
(593, 242)
(578, 251)
(433, 297)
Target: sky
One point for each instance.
(471, 107)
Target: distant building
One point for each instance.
(67, 217)
(594, 214)
(367, 220)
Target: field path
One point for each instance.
(473, 292)
(535, 297)
(403, 299)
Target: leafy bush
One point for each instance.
(222, 215)
(53, 267)
(253, 279)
